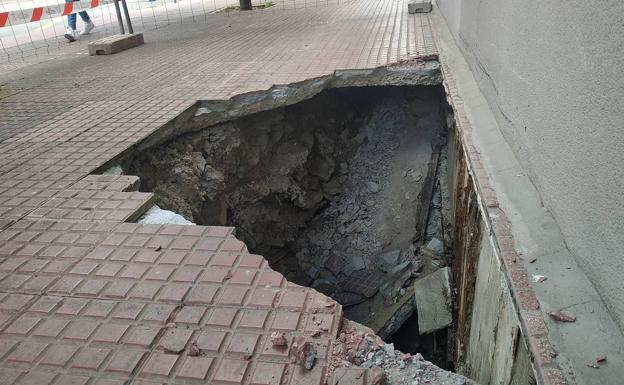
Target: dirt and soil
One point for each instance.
(326, 189)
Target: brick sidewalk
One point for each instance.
(60, 120)
(93, 300)
(86, 297)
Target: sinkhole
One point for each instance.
(345, 192)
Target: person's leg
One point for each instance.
(88, 24)
(71, 21)
(71, 18)
(71, 25)
(84, 16)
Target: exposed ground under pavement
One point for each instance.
(327, 189)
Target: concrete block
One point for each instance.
(116, 43)
(433, 301)
(419, 6)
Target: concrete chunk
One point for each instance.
(433, 301)
(419, 6)
(435, 245)
(388, 260)
(116, 43)
(395, 280)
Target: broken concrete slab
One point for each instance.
(313, 272)
(358, 345)
(433, 301)
(362, 282)
(348, 269)
(396, 314)
(435, 245)
(335, 264)
(420, 6)
(429, 254)
(116, 43)
(347, 299)
(395, 280)
(388, 260)
(358, 262)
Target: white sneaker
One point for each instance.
(88, 27)
(70, 35)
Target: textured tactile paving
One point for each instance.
(119, 301)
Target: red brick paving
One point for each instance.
(84, 318)
(85, 296)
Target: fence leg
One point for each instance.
(119, 19)
(245, 5)
(127, 14)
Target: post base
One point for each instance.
(113, 44)
(419, 6)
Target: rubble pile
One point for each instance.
(328, 190)
(357, 345)
(362, 240)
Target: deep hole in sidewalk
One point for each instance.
(331, 191)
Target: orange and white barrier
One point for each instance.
(22, 16)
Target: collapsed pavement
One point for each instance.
(356, 348)
(343, 192)
(358, 345)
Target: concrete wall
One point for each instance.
(552, 73)
(489, 343)
(496, 353)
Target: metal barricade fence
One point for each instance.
(32, 28)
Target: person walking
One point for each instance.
(71, 24)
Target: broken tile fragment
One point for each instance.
(561, 316)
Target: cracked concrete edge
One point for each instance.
(560, 352)
(403, 311)
(423, 71)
